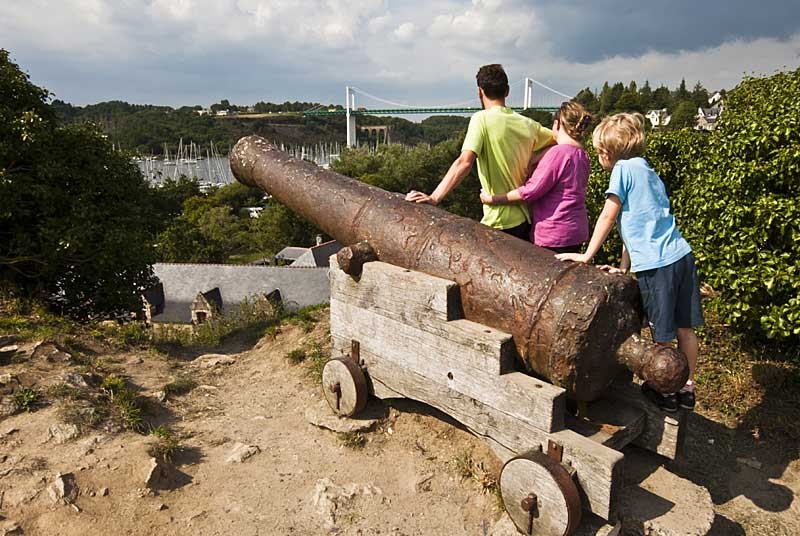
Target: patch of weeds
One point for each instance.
(352, 440)
(132, 334)
(179, 386)
(27, 399)
(296, 356)
(272, 332)
(64, 391)
(123, 402)
(167, 444)
(316, 359)
(466, 467)
(306, 317)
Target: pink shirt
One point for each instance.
(556, 194)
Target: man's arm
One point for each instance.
(601, 229)
(457, 172)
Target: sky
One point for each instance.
(414, 52)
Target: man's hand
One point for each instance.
(577, 257)
(419, 197)
(611, 269)
(486, 197)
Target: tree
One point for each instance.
(646, 96)
(662, 98)
(700, 96)
(684, 115)
(75, 218)
(588, 99)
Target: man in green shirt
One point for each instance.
(503, 142)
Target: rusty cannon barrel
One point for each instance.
(572, 324)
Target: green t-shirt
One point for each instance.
(503, 141)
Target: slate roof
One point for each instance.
(299, 287)
(290, 253)
(318, 255)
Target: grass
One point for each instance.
(352, 440)
(179, 386)
(167, 444)
(123, 405)
(313, 356)
(27, 400)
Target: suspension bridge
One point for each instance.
(549, 101)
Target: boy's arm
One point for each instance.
(624, 263)
(459, 169)
(601, 229)
(500, 199)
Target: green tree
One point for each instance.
(75, 219)
(684, 115)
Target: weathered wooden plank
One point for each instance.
(599, 469)
(411, 297)
(663, 433)
(453, 362)
(610, 423)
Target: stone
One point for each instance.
(213, 360)
(5, 340)
(52, 354)
(320, 414)
(658, 502)
(241, 452)
(6, 378)
(10, 528)
(104, 492)
(73, 379)
(61, 433)
(7, 407)
(161, 396)
(157, 475)
(424, 482)
(328, 498)
(63, 488)
(9, 349)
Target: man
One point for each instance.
(503, 142)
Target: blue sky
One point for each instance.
(187, 52)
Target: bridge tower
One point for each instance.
(527, 100)
(350, 105)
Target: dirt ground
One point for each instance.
(406, 479)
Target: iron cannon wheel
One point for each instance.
(344, 386)
(540, 495)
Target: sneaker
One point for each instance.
(686, 399)
(668, 402)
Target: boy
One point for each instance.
(502, 141)
(653, 248)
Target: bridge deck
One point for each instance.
(409, 111)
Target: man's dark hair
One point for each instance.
(493, 81)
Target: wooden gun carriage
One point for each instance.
(397, 333)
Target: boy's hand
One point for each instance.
(486, 198)
(611, 269)
(577, 257)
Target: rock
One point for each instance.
(11, 431)
(660, 503)
(9, 349)
(328, 498)
(750, 462)
(135, 360)
(161, 396)
(75, 507)
(240, 452)
(157, 476)
(424, 482)
(6, 378)
(213, 360)
(52, 354)
(161, 506)
(7, 407)
(73, 379)
(9, 528)
(104, 492)
(61, 433)
(320, 415)
(63, 489)
(5, 340)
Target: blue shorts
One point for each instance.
(671, 298)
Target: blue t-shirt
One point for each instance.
(645, 222)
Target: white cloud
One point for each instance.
(415, 49)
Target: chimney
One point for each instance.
(319, 239)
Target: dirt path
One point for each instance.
(406, 479)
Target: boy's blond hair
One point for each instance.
(620, 135)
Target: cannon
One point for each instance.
(433, 307)
(571, 324)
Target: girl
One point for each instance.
(556, 191)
